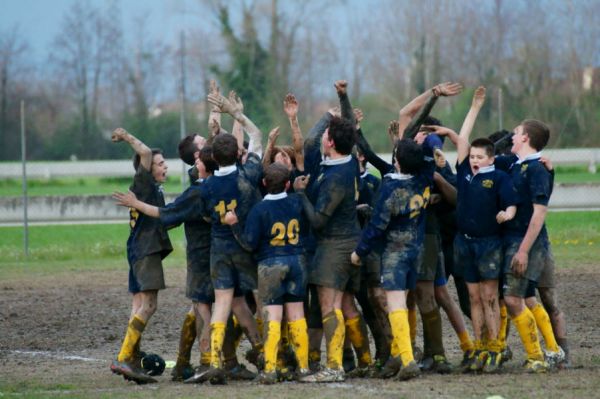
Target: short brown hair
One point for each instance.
(538, 133)
(276, 177)
(486, 144)
(206, 157)
(225, 149)
(187, 148)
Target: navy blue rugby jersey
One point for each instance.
(367, 187)
(147, 235)
(480, 197)
(229, 189)
(334, 192)
(398, 215)
(187, 209)
(533, 185)
(276, 226)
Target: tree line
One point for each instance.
(543, 57)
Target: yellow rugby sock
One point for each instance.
(412, 322)
(494, 346)
(186, 339)
(335, 333)
(217, 336)
(205, 358)
(272, 346)
(357, 332)
(299, 339)
(543, 323)
(525, 324)
(478, 345)
(465, 341)
(135, 328)
(401, 332)
(503, 326)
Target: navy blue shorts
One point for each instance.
(282, 279)
(233, 269)
(540, 258)
(478, 258)
(146, 274)
(399, 269)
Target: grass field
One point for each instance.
(97, 185)
(69, 299)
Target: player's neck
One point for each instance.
(525, 151)
(333, 154)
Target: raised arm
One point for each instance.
(467, 126)
(138, 146)
(214, 117)
(273, 135)
(424, 103)
(290, 107)
(129, 200)
(341, 87)
(447, 190)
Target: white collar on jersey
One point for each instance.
(364, 174)
(486, 169)
(399, 176)
(225, 170)
(529, 157)
(338, 161)
(272, 197)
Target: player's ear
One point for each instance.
(264, 182)
(287, 185)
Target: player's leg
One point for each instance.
(187, 336)
(443, 298)
(203, 316)
(491, 310)
(478, 320)
(356, 330)
(273, 314)
(298, 334)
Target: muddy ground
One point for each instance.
(59, 333)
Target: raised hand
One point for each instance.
(394, 129)
(118, 134)
(439, 130)
(215, 128)
(341, 86)
(447, 89)
(358, 115)
(236, 102)
(290, 106)
(127, 199)
(215, 91)
(274, 134)
(478, 97)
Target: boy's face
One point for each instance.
(199, 141)
(479, 159)
(518, 139)
(283, 158)
(159, 168)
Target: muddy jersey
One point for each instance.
(187, 209)
(399, 214)
(275, 227)
(230, 189)
(147, 235)
(334, 193)
(367, 186)
(479, 199)
(532, 184)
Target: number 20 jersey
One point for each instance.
(275, 227)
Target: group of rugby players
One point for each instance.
(303, 243)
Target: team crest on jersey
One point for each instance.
(320, 178)
(524, 167)
(487, 183)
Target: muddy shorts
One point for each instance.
(371, 270)
(478, 258)
(282, 279)
(146, 274)
(233, 270)
(331, 266)
(399, 269)
(199, 287)
(540, 259)
(432, 265)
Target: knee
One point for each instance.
(548, 297)
(514, 305)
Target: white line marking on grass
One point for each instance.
(56, 355)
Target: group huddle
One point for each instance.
(302, 243)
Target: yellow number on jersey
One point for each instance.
(222, 209)
(279, 231)
(418, 202)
